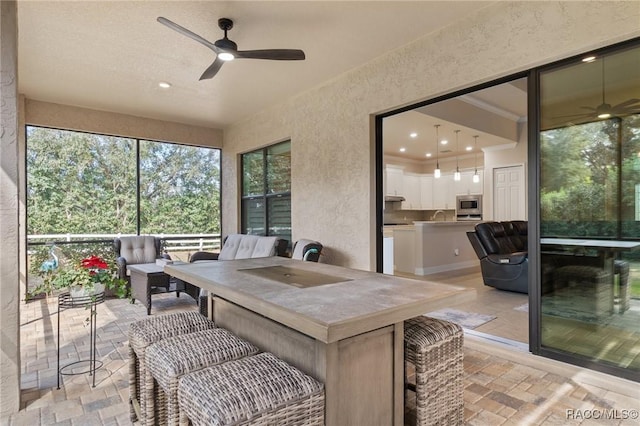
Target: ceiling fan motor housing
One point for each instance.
(226, 44)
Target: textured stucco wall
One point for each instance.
(333, 179)
(9, 183)
(110, 123)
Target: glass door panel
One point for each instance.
(590, 209)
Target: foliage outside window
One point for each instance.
(266, 191)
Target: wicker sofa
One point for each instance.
(236, 246)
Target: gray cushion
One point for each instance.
(139, 249)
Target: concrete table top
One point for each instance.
(326, 302)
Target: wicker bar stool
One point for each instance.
(591, 288)
(257, 390)
(150, 330)
(169, 359)
(621, 268)
(434, 347)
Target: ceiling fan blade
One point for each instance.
(588, 108)
(627, 103)
(573, 115)
(272, 54)
(212, 70)
(182, 30)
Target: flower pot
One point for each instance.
(78, 291)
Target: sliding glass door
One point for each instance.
(589, 137)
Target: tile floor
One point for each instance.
(510, 323)
(503, 385)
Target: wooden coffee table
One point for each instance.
(148, 279)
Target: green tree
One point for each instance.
(84, 183)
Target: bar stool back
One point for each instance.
(434, 347)
(257, 390)
(169, 359)
(145, 332)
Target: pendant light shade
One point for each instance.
(476, 176)
(456, 175)
(436, 172)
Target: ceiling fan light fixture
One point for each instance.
(226, 56)
(604, 115)
(589, 58)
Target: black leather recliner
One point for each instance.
(502, 250)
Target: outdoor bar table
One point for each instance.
(607, 251)
(341, 326)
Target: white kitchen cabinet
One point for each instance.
(426, 192)
(444, 195)
(393, 180)
(411, 192)
(404, 245)
(466, 185)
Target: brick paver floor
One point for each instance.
(498, 390)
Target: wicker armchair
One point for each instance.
(137, 250)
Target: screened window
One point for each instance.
(266, 191)
(97, 186)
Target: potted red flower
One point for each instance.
(92, 275)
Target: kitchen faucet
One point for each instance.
(436, 214)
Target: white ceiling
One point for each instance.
(493, 114)
(111, 55)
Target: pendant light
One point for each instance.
(456, 175)
(476, 176)
(436, 172)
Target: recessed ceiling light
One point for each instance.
(428, 154)
(589, 59)
(164, 84)
(403, 149)
(469, 148)
(413, 135)
(444, 142)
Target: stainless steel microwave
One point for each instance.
(469, 205)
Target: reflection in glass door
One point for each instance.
(590, 210)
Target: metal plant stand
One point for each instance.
(65, 301)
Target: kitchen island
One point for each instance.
(429, 247)
(345, 327)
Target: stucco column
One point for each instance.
(9, 234)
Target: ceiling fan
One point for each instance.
(606, 110)
(226, 50)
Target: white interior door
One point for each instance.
(509, 193)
